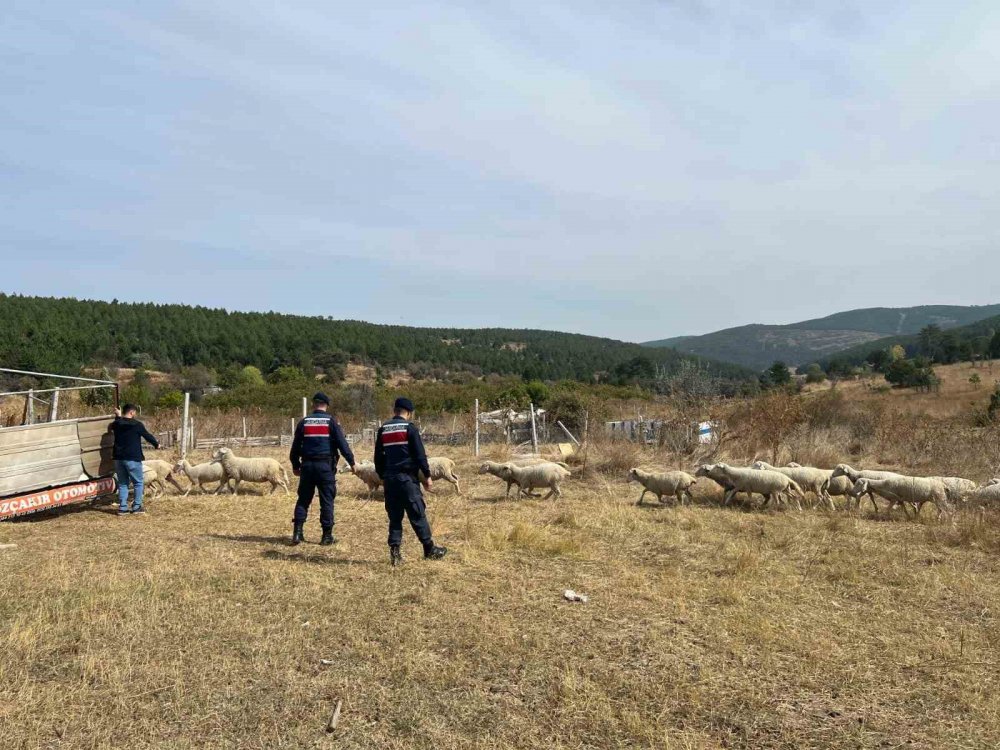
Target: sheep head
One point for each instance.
(840, 470)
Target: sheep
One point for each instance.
(365, 471)
(988, 494)
(260, 469)
(760, 482)
(843, 470)
(164, 471)
(199, 474)
(958, 488)
(709, 470)
(900, 490)
(531, 477)
(443, 468)
(807, 477)
(676, 483)
(151, 481)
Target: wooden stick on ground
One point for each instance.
(332, 724)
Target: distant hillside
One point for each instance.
(944, 347)
(758, 345)
(63, 335)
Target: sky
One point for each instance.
(633, 169)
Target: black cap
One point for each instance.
(321, 398)
(403, 404)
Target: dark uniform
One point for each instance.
(317, 445)
(399, 455)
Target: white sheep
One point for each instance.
(958, 488)
(443, 468)
(164, 471)
(900, 490)
(535, 477)
(808, 478)
(258, 469)
(988, 494)
(676, 483)
(759, 481)
(365, 471)
(151, 482)
(853, 475)
(496, 469)
(709, 471)
(200, 474)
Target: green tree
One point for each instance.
(538, 392)
(778, 374)
(814, 373)
(251, 376)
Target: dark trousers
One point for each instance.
(316, 475)
(403, 497)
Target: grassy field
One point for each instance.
(197, 626)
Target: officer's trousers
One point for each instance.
(316, 475)
(403, 497)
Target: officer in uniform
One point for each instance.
(399, 455)
(315, 448)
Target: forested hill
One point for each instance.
(63, 335)
(821, 339)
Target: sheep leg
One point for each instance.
(644, 491)
(236, 487)
(730, 494)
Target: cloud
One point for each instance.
(638, 169)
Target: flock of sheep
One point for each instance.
(792, 482)
(782, 484)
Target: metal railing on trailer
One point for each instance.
(50, 462)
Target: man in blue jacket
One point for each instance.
(317, 444)
(129, 433)
(399, 455)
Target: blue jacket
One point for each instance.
(318, 437)
(399, 449)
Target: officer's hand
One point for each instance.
(427, 484)
(354, 469)
(297, 472)
(118, 412)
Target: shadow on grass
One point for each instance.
(311, 558)
(250, 538)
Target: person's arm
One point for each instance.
(379, 456)
(339, 443)
(147, 436)
(418, 452)
(295, 454)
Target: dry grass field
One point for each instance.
(197, 626)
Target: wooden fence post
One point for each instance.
(477, 426)
(29, 407)
(54, 406)
(534, 432)
(305, 412)
(184, 425)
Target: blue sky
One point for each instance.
(633, 169)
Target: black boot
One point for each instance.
(327, 539)
(297, 535)
(433, 552)
(395, 556)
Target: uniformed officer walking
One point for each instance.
(318, 441)
(399, 455)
